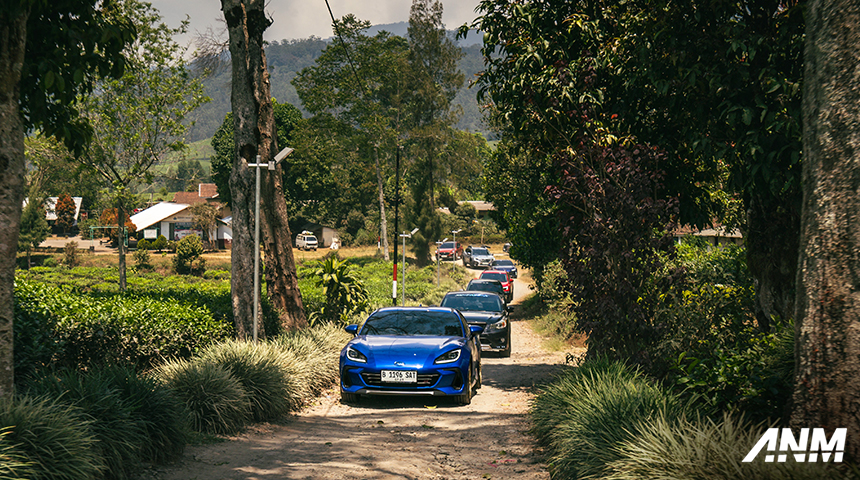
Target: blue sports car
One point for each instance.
(412, 351)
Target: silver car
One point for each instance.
(477, 257)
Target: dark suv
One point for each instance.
(485, 285)
(487, 310)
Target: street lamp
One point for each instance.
(271, 166)
(404, 236)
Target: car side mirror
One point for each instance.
(509, 308)
(353, 329)
(476, 329)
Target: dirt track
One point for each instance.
(389, 437)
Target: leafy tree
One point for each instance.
(359, 81)
(188, 174)
(65, 209)
(109, 217)
(254, 134)
(434, 79)
(34, 227)
(51, 52)
(205, 220)
(714, 84)
(140, 117)
(827, 351)
(56, 171)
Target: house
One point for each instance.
(717, 235)
(325, 235)
(206, 193)
(175, 221)
(482, 208)
(51, 211)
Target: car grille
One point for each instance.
(424, 380)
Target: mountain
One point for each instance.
(288, 57)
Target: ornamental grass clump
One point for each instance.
(118, 432)
(704, 449)
(588, 411)
(54, 438)
(258, 367)
(214, 400)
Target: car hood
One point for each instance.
(482, 317)
(413, 351)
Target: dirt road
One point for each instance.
(394, 438)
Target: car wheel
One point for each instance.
(479, 379)
(466, 397)
(507, 351)
(346, 397)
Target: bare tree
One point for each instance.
(827, 321)
(254, 134)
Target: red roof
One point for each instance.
(204, 192)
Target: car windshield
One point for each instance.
(495, 276)
(480, 251)
(485, 287)
(419, 322)
(447, 245)
(310, 239)
(503, 263)
(473, 303)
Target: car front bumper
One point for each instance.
(437, 382)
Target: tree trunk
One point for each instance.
(827, 322)
(383, 222)
(254, 134)
(13, 40)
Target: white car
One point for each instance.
(306, 241)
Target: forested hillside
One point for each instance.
(287, 57)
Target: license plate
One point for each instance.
(400, 376)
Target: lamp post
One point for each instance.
(438, 245)
(271, 166)
(404, 236)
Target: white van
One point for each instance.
(306, 241)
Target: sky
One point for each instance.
(296, 19)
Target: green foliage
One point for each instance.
(70, 254)
(213, 399)
(160, 243)
(588, 411)
(143, 244)
(118, 434)
(704, 449)
(53, 437)
(345, 295)
(65, 209)
(188, 257)
(88, 330)
(34, 227)
(259, 371)
(13, 462)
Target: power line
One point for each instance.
(346, 50)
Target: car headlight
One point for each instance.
(449, 357)
(355, 355)
(500, 325)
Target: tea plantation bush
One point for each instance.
(57, 326)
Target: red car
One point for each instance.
(503, 277)
(449, 251)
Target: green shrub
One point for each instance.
(114, 329)
(53, 437)
(213, 399)
(259, 370)
(119, 435)
(144, 244)
(70, 254)
(142, 259)
(50, 262)
(344, 293)
(589, 410)
(702, 449)
(13, 462)
(188, 256)
(159, 244)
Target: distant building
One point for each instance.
(482, 208)
(175, 221)
(716, 235)
(325, 235)
(51, 208)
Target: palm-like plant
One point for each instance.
(344, 293)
